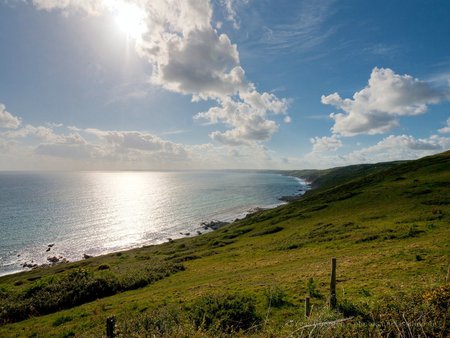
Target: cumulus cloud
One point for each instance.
(65, 150)
(7, 120)
(255, 128)
(247, 118)
(129, 141)
(149, 149)
(41, 133)
(390, 148)
(203, 64)
(325, 143)
(43, 147)
(446, 129)
(6, 145)
(400, 147)
(190, 57)
(377, 107)
(71, 145)
(111, 145)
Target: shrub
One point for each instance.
(275, 297)
(103, 267)
(75, 288)
(312, 289)
(228, 313)
(412, 232)
(268, 231)
(349, 309)
(418, 314)
(162, 322)
(439, 297)
(61, 320)
(364, 292)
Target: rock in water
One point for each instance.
(53, 259)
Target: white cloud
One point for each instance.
(230, 7)
(325, 143)
(401, 147)
(254, 129)
(187, 53)
(72, 145)
(390, 148)
(376, 108)
(73, 128)
(202, 64)
(92, 7)
(135, 144)
(45, 134)
(247, 119)
(6, 146)
(190, 57)
(116, 147)
(224, 156)
(446, 129)
(65, 150)
(54, 125)
(7, 120)
(39, 147)
(381, 49)
(305, 32)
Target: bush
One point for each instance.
(75, 288)
(439, 297)
(61, 320)
(165, 321)
(349, 309)
(227, 313)
(103, 267)
(419, 314)
(312, 289)
(268, 231)
(275, 297)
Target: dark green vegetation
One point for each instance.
(388, 225)
(78, 286)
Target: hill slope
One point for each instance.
(387, 225)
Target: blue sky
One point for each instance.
(179, 84)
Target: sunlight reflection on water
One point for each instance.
(99, 212)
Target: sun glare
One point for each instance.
(130, 18)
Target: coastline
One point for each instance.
(201, 228)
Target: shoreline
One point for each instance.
(206, 226)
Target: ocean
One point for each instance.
(69, 214)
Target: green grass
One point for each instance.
(387, 225)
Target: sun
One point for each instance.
(130, 18)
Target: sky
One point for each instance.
(221, 84)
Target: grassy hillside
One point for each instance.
(388, 225)
(330, 177)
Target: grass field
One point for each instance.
(388, 225)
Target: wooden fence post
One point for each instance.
(333, 300)
(307, 306)
(110, 326)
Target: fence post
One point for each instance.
(307, 306)
(110, 326)
(333, 300)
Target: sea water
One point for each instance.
(99, 212)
